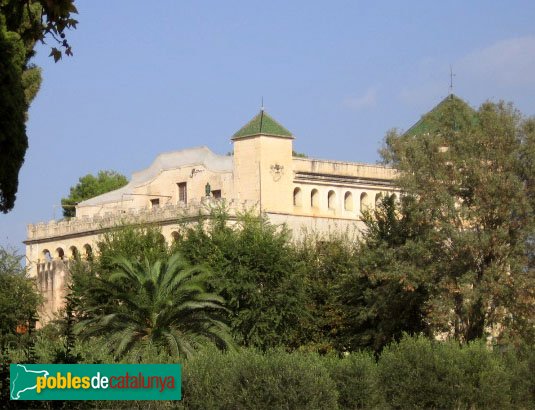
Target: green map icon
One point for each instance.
(24, 379)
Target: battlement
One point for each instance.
(170, 212)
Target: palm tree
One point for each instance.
(164, 304)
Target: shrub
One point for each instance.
(421, 373)
(355, 378)
(249, 379)
(486, 381)
(412, 376)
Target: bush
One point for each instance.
(249, 379)
(411, 375)
(486, 381)
(355, 378)
(256, 272)
(421, 373)
(520, 366)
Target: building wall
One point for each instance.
(246, 173)
(277, 175)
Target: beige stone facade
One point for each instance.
(261, 175)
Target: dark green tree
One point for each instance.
(256, 271)
(90, 186)
(22, 24)
(19, 298)
(384, 295)
(326, 260)
(136, 243)
(471, 175)
(163, 304)
(66, 354)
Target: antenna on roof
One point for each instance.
(262, 104)
(451, 79)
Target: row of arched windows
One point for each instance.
(74, 253)
(87, 252)
(348, 203)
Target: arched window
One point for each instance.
(394, 198)
(378, 199)
(46, 255)
(175, 236)
(364, 202)
(298, 200)
(88, 252)
(314, 198)
(59, 253)
(74, 252)
(348, 201)
(331, 200)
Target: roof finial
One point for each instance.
(262, 104)
(451, 79)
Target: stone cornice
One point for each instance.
(76, 227)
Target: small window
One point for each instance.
(155, 203)
(74, 252)
(378, 198)
(216, 193)
(59, 253)
(46, 255)
(183, 192)
(314, 198)
(88, 252)
(348, 201)
(331, 199)
(298, 201)
(364, 202)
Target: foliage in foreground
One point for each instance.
(257, 272)
(384, 295)
(164, 303)
(22, 24)
(19, 298)
(414, 373)
(471, 176)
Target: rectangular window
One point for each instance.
(183, 192)
(216, 193)
(154, 203)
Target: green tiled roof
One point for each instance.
(450, 111)
(262, 123)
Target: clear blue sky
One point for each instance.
(155, 76)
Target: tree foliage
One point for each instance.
(19, 299)
(136, 243)
(90, 186)
(384, 295)
(164, 303)
(326, 259)
(256, 271)
(471, 177)
(22, 24)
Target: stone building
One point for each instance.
(261, 175)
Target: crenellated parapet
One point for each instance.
(167, 213)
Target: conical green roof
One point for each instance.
(263, 124)
(451, 111)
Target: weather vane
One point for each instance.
(451, 79)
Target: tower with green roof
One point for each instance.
(451, 113)
(263, 163)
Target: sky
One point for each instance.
(155, 76)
